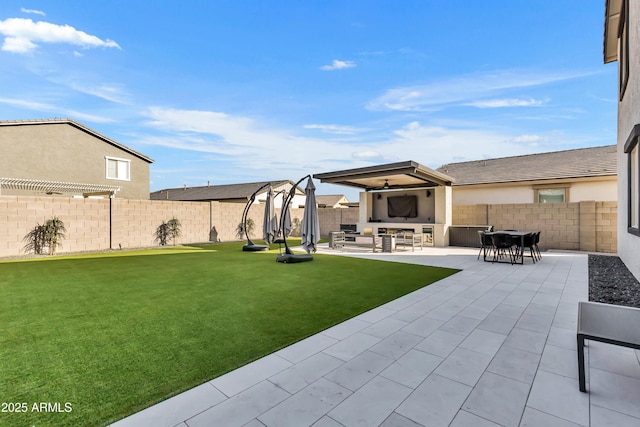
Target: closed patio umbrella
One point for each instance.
(310, 228)
(286, 221)
(269, 225)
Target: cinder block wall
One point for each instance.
(86, 221)
(135, 221)
(587, 226)
(330, 219)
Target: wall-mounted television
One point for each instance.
(402, 206)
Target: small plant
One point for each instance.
(162, 234)
(174, 228)
(48, 235)
(35, 240)
(168, 231)
(296, 226)
(240, 229)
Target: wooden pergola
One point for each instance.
(56, 187)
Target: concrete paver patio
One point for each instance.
(493, 345)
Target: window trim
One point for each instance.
(117, 159)
(629, 145)
(537, 188)
(623, 54)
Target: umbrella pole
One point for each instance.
(289, 200)
(252, 198)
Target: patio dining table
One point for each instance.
(517, 235)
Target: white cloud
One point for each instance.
(55, 110)
(335, 129)
(532, 140)
(33, 11)
(338, 65)
(245, 148)
(366, 155)
(253, 147)
(507, 102)
(464, 90)
(22, 35)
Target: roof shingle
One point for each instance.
(577, 163)
(214, 192)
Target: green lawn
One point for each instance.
(114, 333)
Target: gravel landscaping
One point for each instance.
(611, 282)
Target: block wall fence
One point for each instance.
(103, 224)
(584, 226)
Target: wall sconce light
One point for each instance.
(379, 196)
(428, 193)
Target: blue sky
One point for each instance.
(241, 91)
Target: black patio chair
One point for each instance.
(536, 240)
(503, 243)
(529, 242)
(486, 244)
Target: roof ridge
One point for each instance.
(223, 185)
(528, 155)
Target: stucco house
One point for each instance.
(232, 193)
(621, 44)
(61, 157)
(554, 177)
(336, 201)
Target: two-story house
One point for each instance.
(61, 157)
(622, 44)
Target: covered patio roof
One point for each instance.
(389, 176)
(55, 187)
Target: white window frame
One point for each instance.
(118, 160)
(538, 188)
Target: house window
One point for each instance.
(118, 168)
(551, 195)
(633, 181)
(623, 52)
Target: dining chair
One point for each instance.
(486, 244)
(502, 243)
(529, 242)
(535, 243)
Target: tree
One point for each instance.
(35, 240)
(162, 234)
(54, 233)
(173, 228)
(47, 235)
(168, 231)
(240, 229)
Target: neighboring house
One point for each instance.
(65, 158)
(621, 44)
(332, 201)
(556, 177)
(232, 193)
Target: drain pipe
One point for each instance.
(111, 221)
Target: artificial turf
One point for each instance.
(99, 337)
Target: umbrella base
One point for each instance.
(255, 248)
(293, 258)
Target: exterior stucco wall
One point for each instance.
(599, 190)
(472, 195)
(62, 152)
(628, 117)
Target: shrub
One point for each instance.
(251, 225)
(173, 228)
(168, 231)
(48, 235)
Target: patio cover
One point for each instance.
(399, 175)
(55, 187)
